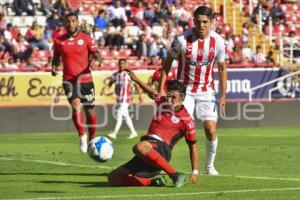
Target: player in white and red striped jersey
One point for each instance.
(197, 50)
(123, 85)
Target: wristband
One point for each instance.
(195, 172)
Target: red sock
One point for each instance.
(91, 122)
(78, 122)
(160, 162)
(131, 180)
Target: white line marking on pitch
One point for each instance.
(165, 195)
(56, 163)
(107, 167)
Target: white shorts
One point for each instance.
(204, 104)
(121, 110)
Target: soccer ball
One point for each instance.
(100, 149)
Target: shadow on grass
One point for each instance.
(82, 183)
(55, 174)
(43, 192)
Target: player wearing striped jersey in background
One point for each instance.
(123, 85)
(197, 50)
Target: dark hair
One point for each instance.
(71, 14)
(122, 59)
(204, 10)
(176, 85)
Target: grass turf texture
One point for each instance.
(254, 163)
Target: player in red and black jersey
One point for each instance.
(153, 153)
(74, 49)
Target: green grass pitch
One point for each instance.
(254, 163)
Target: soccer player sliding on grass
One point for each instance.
(153, 152)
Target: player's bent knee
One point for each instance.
(142, 147)
(113, 179)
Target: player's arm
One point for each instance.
(194, 160)
(97, 59)
(222, 71)
(138, 92)
(55, 63)
(173, 53)
(145, 87)
(164, 72)
(106, 87)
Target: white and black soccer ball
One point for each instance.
(101, 149)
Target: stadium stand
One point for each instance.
(240, 23)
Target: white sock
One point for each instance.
(118, 125)
(211, 151)
(130, 125)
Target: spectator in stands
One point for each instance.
(2, 22)
(21, 48)
(53, 20)
(34, 36)
(62, 7)
(269, 58)
(21, 6)
(98, 36)
(236, 55)
(259, 57)
(255, 14)
(86, 27)
(245, 33)
(292, 42)
(117, 14)
(30, 65)
(11, 32)
(277, 13)
(157, 48)
(161, 11)
(46, 7)
(10, 64)
(114, 38)
(100, 20)
(141, 47)
(229, 43)
(137, 13)
(247, 53)
(180, 14)
(149, 14)
(59, 31)
(5, 47)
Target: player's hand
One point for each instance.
(193, 178)
(223, 105)
(54, 71)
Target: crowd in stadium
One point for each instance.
(140, 30)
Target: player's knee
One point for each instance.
(142, 147)
(210, 129)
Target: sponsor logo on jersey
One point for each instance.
(198, 64)
(80, 42)
(175, 119)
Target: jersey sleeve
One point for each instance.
(92, 47)
(221, 55)
(174, 49)
(56, 48)
(189, 130)
(114, 77)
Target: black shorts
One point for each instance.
(84, 91)
(142, 168)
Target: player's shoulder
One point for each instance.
(217, 36)
(184, 35)
(61, 38)
(184, 114)
(84, 35)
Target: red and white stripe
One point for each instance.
(123, 81)
(197, 79)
